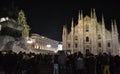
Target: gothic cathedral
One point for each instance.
(89, 34)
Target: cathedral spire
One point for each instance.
(112, 36)
(112, 27)
(72, 24)
(64, 37)
(103, 25)
(64, 30)
(115, 27)
(91, 13)
(116, 38)
(72, 34)
(104, 35)
(103, 22)
(94, 14)
(81, 14)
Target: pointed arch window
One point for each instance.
(87, 39)
(108, 44)
(76, 37)
(68, 45)
(76, 45)
(99, 36)
(99, 44)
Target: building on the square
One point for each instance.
(89, 34)
(42, 43)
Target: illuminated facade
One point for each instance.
(89, 34)
(42, 43)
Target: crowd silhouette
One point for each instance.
(59, 63)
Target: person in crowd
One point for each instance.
(55, 65)
(10, 62)
(99, 66)
(117, 64)
(112, 64)
(25, 63)
(62, 63)
(90, 62)
(79, 64)
(76, 63)
(106, 63)
(69, 64)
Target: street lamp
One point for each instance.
(43, 37)
(29, 41)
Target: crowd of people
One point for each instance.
(60, 63)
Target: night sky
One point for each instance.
(46, 17)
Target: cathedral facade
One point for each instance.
(89, 34)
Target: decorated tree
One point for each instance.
(22, 21)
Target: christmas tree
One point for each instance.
(22, 21)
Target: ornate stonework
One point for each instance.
(89, 34)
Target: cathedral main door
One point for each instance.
(87, 49)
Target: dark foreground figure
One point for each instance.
(60, 63)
